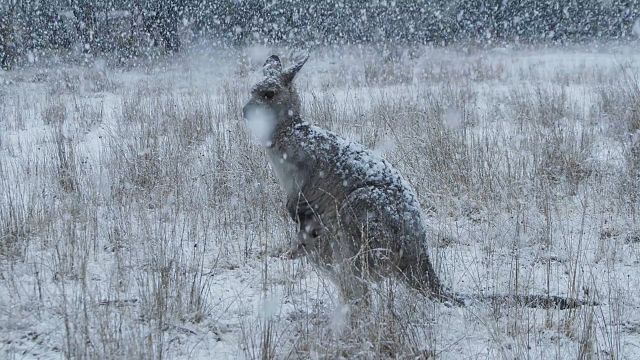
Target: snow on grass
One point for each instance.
(139, 220)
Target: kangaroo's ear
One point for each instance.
(289, 73)
(272, 67)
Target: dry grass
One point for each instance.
(137, 219)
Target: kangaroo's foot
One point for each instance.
(306, 240)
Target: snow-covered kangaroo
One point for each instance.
(359, 220)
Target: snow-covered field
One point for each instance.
(138, 220)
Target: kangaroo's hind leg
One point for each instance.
(307, 239)
(368, 235)
(389, 237)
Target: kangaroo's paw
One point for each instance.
(295, 251)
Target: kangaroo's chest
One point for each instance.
(287, 172)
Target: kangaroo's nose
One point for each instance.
(246, 110)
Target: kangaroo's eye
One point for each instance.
(269, 94)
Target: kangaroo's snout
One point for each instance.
(246, 110)
(254, 111)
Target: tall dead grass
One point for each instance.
(137, 218)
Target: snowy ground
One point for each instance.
(137, 219)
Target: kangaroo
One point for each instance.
(358, 219)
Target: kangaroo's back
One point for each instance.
(326, 165)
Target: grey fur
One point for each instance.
(359, 220)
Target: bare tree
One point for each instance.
(8, 46)
(85, 23)
(162, 23)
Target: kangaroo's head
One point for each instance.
(274, 101)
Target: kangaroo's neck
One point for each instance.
(283, 130)
(285, 158)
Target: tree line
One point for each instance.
(129, 28)
(121, 28)
(419, 21)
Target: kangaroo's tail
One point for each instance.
(530, 301)
(424, 279)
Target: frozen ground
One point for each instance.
(137, 219)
